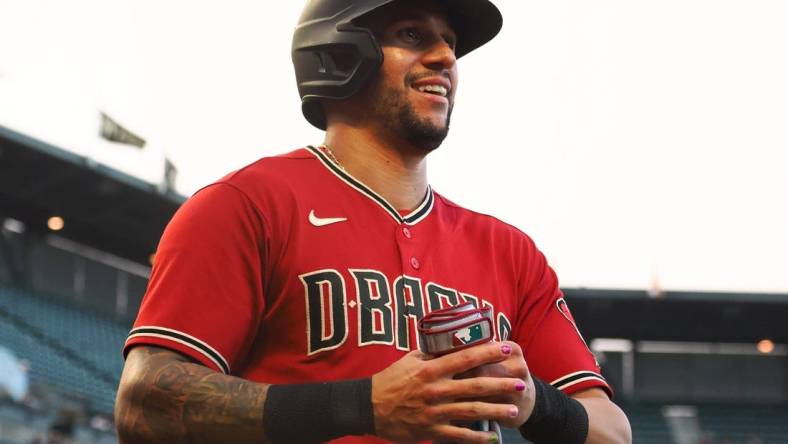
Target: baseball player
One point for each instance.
(284, 300)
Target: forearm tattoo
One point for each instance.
(166, 398)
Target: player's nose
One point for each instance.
(440, 56)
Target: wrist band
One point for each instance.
(556, 417)
(455, 328)
(315, 413)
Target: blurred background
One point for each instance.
(641, 144)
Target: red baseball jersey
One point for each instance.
(290, 270)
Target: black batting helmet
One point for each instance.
(333, 57)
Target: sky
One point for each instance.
(636, 141)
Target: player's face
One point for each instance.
(413, 94)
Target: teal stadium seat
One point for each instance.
(739, 424)
(58, 332)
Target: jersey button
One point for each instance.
(406, 232)
(415, 263)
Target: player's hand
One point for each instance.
(418, 398)
(513, 366)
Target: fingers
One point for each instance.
(474, 411)
(464, 360)
(482, 387)
(516, 350)
(499, 359)
(418, 393)
(464, 435)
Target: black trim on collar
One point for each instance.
(413, 218)
(422, 210)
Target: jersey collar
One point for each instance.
(412, 218)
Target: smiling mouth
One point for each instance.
(438, 90)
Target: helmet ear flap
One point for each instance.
(314, 113)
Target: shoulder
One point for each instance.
(271, 170)
(266, 179)
(254, 190)
(475, 222)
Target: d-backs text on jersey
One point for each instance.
(386, 313)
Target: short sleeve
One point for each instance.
(205, 294)
(554, 349)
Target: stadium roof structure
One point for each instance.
(680, 315)
(102, 207)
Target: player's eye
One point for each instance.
(411, 35)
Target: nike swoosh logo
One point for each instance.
(323, 221)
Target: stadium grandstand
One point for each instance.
(76, 245)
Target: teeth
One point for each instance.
(435, 89)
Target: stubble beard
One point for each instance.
(399, 116)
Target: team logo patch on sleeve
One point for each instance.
(563, 308)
